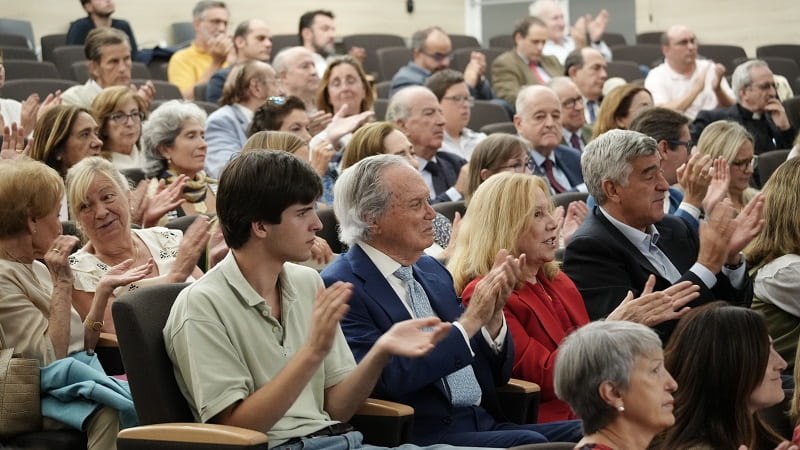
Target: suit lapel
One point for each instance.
(376, 287)
(629, 247)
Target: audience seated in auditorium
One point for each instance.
(524, 64)
(317, 33)
(774, 258)
(627, 238)
(380, 138)
(120, 112)
(733, 143)
(612, 375)
(538, 120)
(727, 371)
(298, 77)
(417, 112)
(173, 139)
(587, 68)
(37, 319)
(98, 16)
(545, 306)
(249, 85)
(683, 82)
(109, 56)
(620, 106)
(576, 133)
(433, 52)
(117, 258)
(385, 218)
(303, 384)
(252, 40)
(456, 102)
(757, 108)
(211, 49)
(586, 31)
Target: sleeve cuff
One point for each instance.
(706, 276)
(453, 194)
(466, 338)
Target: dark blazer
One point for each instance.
(449, 166)
(510, 74)
(605, 265)
(585, 134)
(414, 75)
(417, 382)
(215, 84)
(766, 135)
(569, 161)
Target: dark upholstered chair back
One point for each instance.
(140, 316)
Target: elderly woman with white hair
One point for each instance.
(98, 196)
(174, 139)
(612, 374)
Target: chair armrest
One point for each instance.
(107, 340)
(201, 433)
(375, 407)
(384, 423)
(519, 401)
(516, 385)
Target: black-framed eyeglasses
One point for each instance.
(745, 163)
(121, 117)
(520, 166)
(688, 144)
(438, 57)
(572, 102)
(460, 99)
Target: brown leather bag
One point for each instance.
(20, 403)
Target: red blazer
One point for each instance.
(537, 333)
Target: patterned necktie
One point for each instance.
(548, 170)
(575, 141)
(464, 387)
(592, 116)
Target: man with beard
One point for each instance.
(208, 52)
(317, 33)
(99, 15)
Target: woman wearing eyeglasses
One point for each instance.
(456, 103)
(733, 142)
(497, 153)
(120, 111)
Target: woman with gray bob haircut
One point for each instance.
(613, 377)
(609, 156)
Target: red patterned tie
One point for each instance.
(548, 170)
(535, 69)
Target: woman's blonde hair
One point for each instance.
(367, 141)
(500, 211)
(274, 140)
(109, 101)
(80, 178)
(724, 138)
(28, 189)
(781, 232)
(491, 153)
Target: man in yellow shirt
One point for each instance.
(208, 52)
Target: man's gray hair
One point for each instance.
(165, 124)
(419, 37)
(742, 78)
(399, 107)
(609, 156)
(203, 5)
(601, 351)
(285, 56)
(526, 93)
(360, 196)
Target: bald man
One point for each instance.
(683, 82)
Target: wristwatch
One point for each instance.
(93, 325)
(736, 266)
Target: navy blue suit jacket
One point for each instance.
(417, 382)
(569, 161)
(449, 166)
(79, 29)
(605, 265)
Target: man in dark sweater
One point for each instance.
(99, 15)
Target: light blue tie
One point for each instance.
(464, 387)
